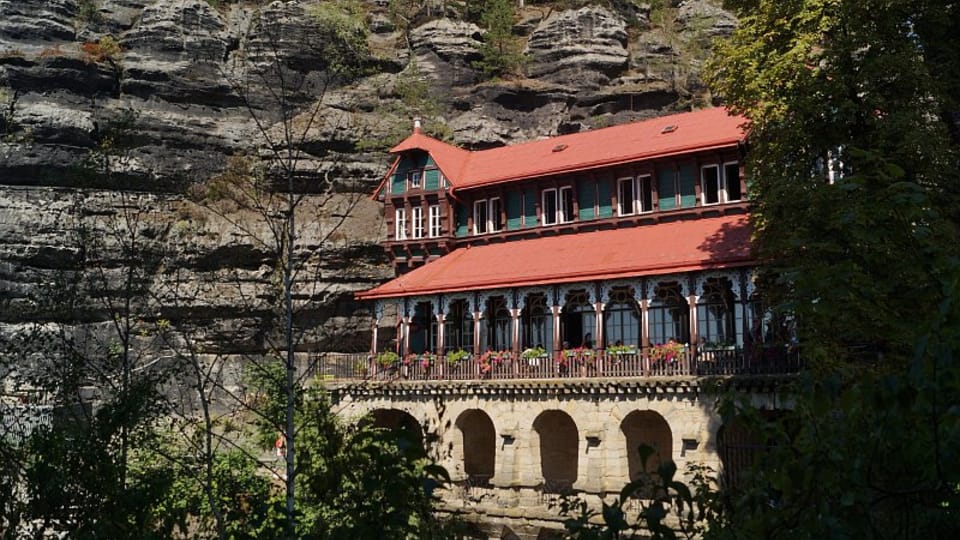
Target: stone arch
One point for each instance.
(479, 445)
(397, 420)
(558, 439)
(646, 428)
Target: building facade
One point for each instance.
(627, 237)
(557, 304)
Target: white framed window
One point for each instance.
(493, 216)
(731, 181)
(416, 178)
(435, 228)
(566, 205)
(711, 185)
(400, 224)
(626, 199)
(644, 193)
(720, 184)
(481, 217)
(416, 219)
(549, 207)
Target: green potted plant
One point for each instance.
(457, 356)
(622, 349)
(387, 359)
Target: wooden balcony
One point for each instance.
(596, 364)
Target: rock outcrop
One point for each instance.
(113, 105)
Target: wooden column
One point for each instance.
(441, 318)
(477, 317)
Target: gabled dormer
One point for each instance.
(417, 204)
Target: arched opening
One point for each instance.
(669, 314)
(559, 439)
(423, 328)
(651, 429)
(719, 322)
(621, 319)
(479, 446)
(578, 320)
(398, 421)
(536, 322)
(458, 327)
(499, 325)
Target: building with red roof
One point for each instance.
(624, 237)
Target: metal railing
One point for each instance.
(595, 364)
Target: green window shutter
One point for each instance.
(530, 208)
(461, 214)
(399, 182)
(666, 191)
(586, 191)
(604, 201)
(431, 179)
(514, 211)
(688, 180)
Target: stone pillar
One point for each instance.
(590, 471)
(374, 335)
(507, 472)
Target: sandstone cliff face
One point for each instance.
(87, 134)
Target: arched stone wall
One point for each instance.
(478, 445)
(397, 420)
(646, 428)
(558, 443)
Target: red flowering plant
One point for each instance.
(491, 359)
(668, 352)
(427, 359)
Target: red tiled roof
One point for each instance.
(693, 131)
(678, 246)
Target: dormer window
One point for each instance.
(557, 206)
(720, 184)
(486, 216)
(415, 178)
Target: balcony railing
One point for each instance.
(595, 364)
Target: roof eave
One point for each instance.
(568, 278)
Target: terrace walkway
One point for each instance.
(594, 364)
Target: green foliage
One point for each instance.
(88, 11)
(665, 507)
(357, 481)
(501, 50)
(820, 87)
(344, 23)
(853, 173)
(456, 356)
(387, 358)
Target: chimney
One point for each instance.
(416, 125)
